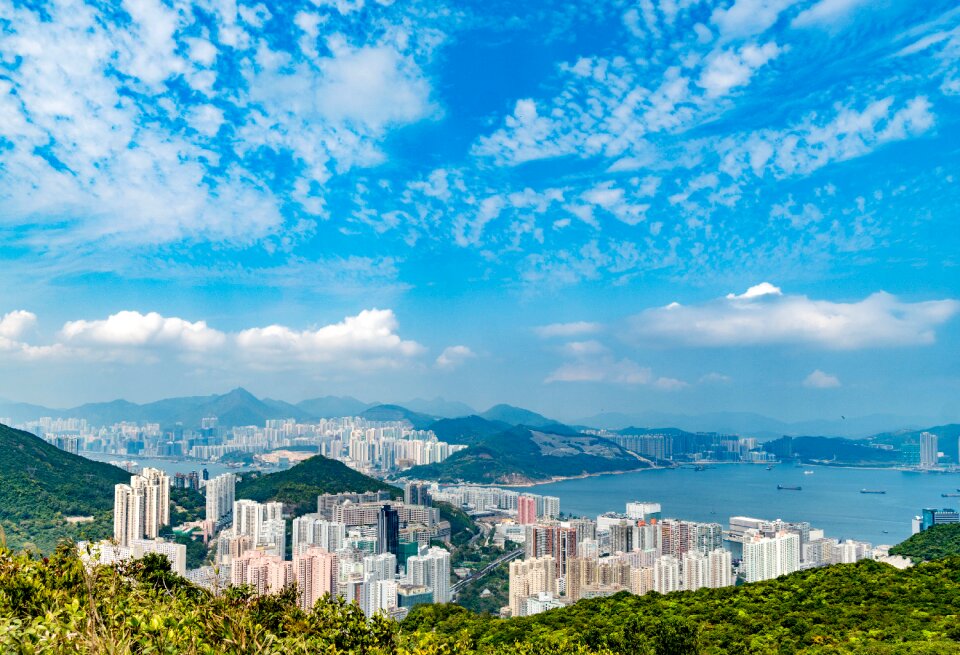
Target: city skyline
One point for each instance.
(690, 208)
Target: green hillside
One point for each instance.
(516, 416)
(467, 430)
(933, 543)
(521, 455)
(865, 608)
(300, 485)
(41, 485)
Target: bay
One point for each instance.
(171, 465)
(830, 498)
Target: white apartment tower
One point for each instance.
(770, 557)
(142, 507)
(221, 493)
(432, 569)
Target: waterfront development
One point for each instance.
(830, 498)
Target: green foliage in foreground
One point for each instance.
(55, 606)
(933, 543)
(866, 607)
(300, 485)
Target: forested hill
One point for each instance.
(933, 543)
(41, 485)
(521, 455)
(300, 485)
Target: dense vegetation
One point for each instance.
(53, 605)
(43, 485)
(856, 608)
(300, 485)
(467, 430)
(514, 457)
(933, 543)
(462, 527)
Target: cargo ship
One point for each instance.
(873, 491)
(786, 488)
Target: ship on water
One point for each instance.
(873, 491)
(782, 487)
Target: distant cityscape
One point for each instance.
(388, 555)
(382, 448)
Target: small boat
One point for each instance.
(950, 495)
(700, 467)
(873, 491)
(785, 488)
(770, 468)
(808, 472)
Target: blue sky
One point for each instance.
(683, 206)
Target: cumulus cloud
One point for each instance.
(820, 380)
(365, 341)
(14, 324)
(565, 330)
(133, 329)
(747, 17)
(454, 356)
(765, 316)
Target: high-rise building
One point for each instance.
(141, 508)
(221, 494)
(316, 573)
(696, 571)
(273, 535)
(388, 531)
(529, 577)
(643, 511)
(432, 570)
(416, 493)
(666, 574)
(720, 569)
(311, 530)
(928, 450)
(770, 557)
(930, 517)
(526, 510)
(266, 574)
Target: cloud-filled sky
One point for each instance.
(578, 207)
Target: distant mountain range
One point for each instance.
(240, 407)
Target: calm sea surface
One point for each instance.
(170, 465)
(830, 498)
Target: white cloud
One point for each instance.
(810, 145)
(454, 356)
(715, 378)
(729, 69)
(756, 291)
(133, 329)
(826, 13)
(15, 324)
(820, 380)
(365, 341)
(767, 317)
(748, 17)
(575, 329)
